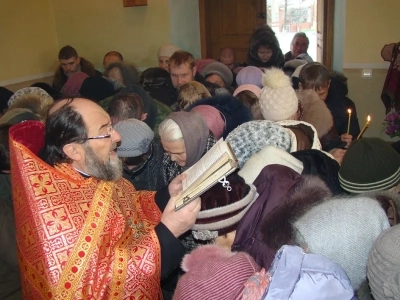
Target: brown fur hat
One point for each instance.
(315, 111)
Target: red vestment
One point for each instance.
(80, 238)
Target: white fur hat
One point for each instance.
(278, 100)
(167, 50)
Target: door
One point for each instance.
(325, 10)
(228, 23)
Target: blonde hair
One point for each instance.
(169, 131)
(191, 92)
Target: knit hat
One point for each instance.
(249, 75)
(370, 164)
(268, 155)
(30, 90)
(167, 50)
(213, 272)
(217, 68)
(221, 210)
(384, 265)
(248, 87)
(213, 118)
(251, 137)
(278, 100)
(343, 230)
(136, 137)
(73, 84)
(96, 88)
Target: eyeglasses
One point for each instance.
(110, 129)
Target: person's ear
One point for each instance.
(194, 70)
(78, 60)
(74, 151)
(143, 117)
(300, 87)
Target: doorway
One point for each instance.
(230, 23)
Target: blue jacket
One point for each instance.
(297, 275)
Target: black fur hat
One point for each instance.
(233, 110)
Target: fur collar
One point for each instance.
(277, 227)
(315, 111)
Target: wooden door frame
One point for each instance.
(204, 37)
(327, 56)
(327, 51)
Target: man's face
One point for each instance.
(176, 150)
(181, 74)
(298, 46)
(227, 57)
(323, 92)
(116, 75)
(264, 53)
(99, 159)
(110, 59)
(216, 79)
(163, 62)
(70, 65)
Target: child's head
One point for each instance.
(264, 53)
(249, 95)
(315, 76)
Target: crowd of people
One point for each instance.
(91, 167)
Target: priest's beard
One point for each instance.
(110, 170)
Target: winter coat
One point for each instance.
(265, 36)
(60, 78)
(338, 103)
(274, 184)
(304, 135)
(297, 275)
(146, 176)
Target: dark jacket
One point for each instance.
(60, 78)
(338, 103)
(10, 286)
(265, 36)
(145, 177)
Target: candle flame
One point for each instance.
(368, 118)
(349, 111)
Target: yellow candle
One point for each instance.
(364, 128)
(348, 123)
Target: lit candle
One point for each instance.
(348, 123)
(364, 128)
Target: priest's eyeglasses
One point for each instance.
(110, 129)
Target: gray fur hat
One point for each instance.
(251, 137)
(343, 230)
(219, 69)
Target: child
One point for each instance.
(333, 90)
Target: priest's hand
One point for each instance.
(175, 186)
(178, 222)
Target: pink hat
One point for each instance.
(213, 272)
(248, 87)
(213, 118)
(202, 63)
(73, 84)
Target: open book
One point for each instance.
(218, 162)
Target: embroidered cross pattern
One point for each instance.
(138, 228)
